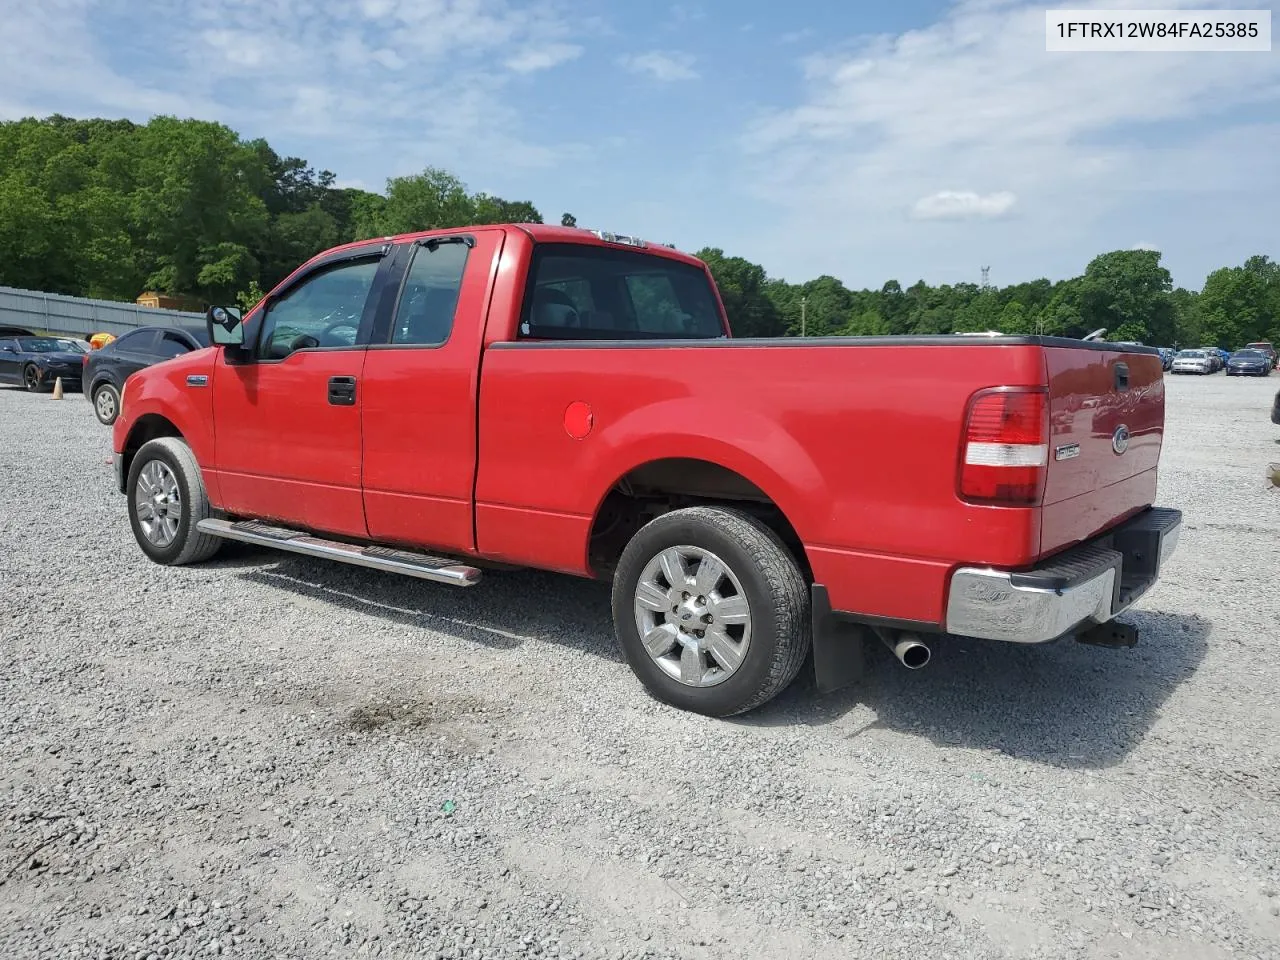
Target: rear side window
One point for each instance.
(172, 345)
(580, 292)
(139, 341)
(429, 299)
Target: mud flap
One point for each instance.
(839, 647)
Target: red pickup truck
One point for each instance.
(569, 400)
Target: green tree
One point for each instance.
(568, 220)
(1129, 289)
(741, 284)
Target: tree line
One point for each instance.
(112, 208)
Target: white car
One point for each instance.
(1193, 361)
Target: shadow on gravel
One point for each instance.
(507, 609)
(1063, 704)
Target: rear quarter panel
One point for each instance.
(857, 444)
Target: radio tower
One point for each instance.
(986, 277)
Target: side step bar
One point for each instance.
(378, 558)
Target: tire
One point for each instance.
(31, 379)
(772, 643)
(106, 395)
(187, 544)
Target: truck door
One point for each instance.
(287, 420)
(421, 377)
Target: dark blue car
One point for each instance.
(1248, 363)
(36, 362)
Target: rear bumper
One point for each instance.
(1079, 588)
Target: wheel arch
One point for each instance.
(656, 486)
(147, 427)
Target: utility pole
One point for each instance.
(803, 301)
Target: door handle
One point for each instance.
(342, 391)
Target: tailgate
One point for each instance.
(1106, 421)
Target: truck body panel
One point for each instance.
(499, 443)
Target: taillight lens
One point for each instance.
(1005, 456)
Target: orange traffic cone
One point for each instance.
(57, 388)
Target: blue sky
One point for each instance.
(906, 140)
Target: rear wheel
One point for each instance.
(166, 501)
(711, 610)
(106, 403)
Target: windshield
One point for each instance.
(48, 345)
(1191, 355)
(1248, 355)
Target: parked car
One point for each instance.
(1251, 363)
(8, 331)
(1275, 409)
(1266, 347)
(1193, 361)
(1166, 357)
(37, 362)
(549, 397)
(107, 368)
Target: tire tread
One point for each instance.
(198, 546)
(787, 588)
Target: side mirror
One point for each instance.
(223, 324)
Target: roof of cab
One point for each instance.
(539, 232)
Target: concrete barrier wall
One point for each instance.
(80, 316)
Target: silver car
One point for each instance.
(1193, 361)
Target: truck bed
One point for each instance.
(856, 440)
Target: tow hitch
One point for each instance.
(1110, 634)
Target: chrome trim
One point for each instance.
(458, 575)
(1068, 451)
(984, 603)
(197, 380)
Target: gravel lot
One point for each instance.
(269, 756)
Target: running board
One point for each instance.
(368, 555)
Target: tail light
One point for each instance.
(1006, 446)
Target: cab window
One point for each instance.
(424, 315)
(324, 310)
(581, 292)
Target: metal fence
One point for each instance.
(54, 313)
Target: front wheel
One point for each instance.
(711, 610)
(106, 403)
(32, 378)
(166, 501)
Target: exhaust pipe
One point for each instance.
(912, 652)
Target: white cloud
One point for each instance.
(667, 67)
(406, 83)
(543, 58)
(1081, 140)
(962, 205)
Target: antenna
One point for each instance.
(986, 277)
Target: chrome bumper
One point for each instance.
(1080, 588)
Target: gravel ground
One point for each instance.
(268, 756)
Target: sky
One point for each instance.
(907, 140)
